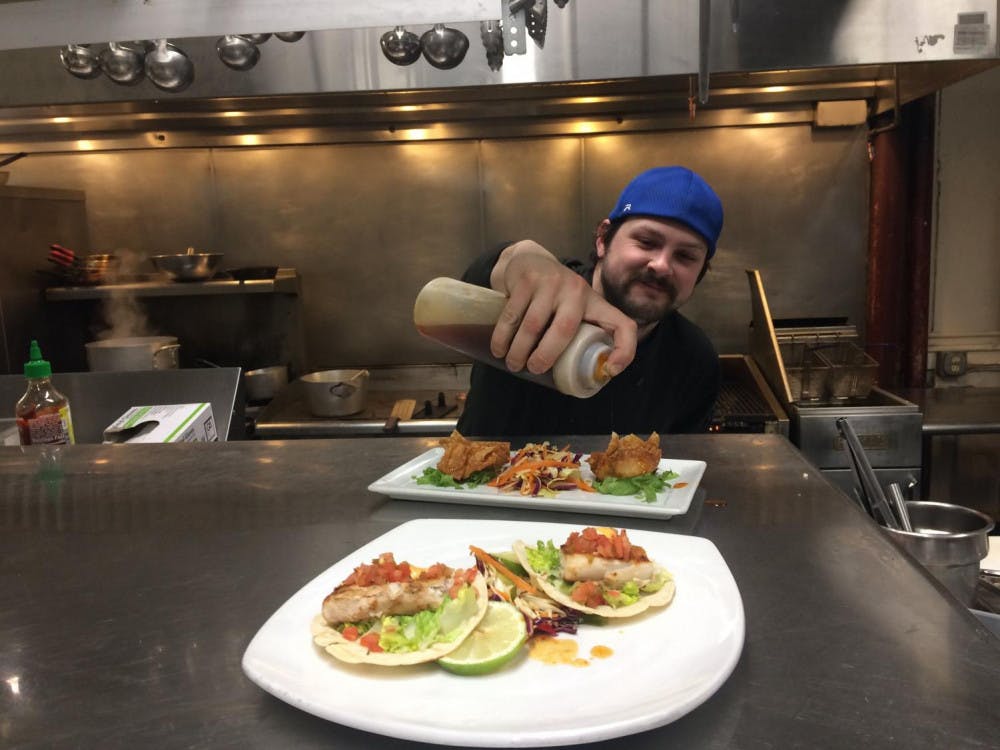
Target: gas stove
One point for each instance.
(437, 390)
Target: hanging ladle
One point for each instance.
(237, 52)
(168, 68)
(80, 60)
(122, 64)
(444, 47)
(289, 36)
(256, 38)
(400, 47)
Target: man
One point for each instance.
(648, 255)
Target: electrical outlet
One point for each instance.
(952, 364)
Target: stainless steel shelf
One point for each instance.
(285, 282)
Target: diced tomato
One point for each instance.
(350, 633)
(370, 642)
(384, 569)
(587, 593)
(437, 570)
(615, 547)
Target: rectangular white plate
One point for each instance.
(673, 659)
(400, 483)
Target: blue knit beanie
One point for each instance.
(673, 193)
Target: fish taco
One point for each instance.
(598, 572)
(391, 613)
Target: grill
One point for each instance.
(745, 404)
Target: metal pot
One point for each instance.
(948, 540)
(134, 353)
(189, 266)
(336, 393)
(263, 383)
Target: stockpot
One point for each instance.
(134, 353)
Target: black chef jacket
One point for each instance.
(670, 387)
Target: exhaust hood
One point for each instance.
(591, 67)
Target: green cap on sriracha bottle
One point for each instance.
(36, 367)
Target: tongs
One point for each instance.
(872, 496)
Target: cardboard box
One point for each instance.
(166, 423)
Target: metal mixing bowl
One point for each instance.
(187, 266)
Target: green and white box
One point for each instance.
(166, 423)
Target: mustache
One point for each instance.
(648, 277)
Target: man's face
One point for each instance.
(650, 267)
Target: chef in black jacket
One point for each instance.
(648, 256)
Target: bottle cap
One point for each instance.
(36, 367)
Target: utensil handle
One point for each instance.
(899, 504)
(866, 474)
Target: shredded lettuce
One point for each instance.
(658, 582)
(544, 558)
(438, 478)
(405, 633)
(626, 595)
(644, 486)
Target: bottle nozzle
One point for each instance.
(601, 372)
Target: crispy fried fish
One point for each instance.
(630, 456)
(463, 457)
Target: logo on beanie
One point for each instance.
(626, 207)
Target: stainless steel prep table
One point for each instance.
(133, 578)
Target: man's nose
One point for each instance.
(661, 263)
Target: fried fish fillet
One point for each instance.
(357, 603)
(630, 456)
(463, 457)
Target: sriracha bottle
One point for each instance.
(42, 414)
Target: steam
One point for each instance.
(123, 314)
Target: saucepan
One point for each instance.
(336, 393)
(265, 382)
(133, 353)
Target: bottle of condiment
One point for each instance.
(462, 316)
(42, 414)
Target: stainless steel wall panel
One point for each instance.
(146, 201)
(532, 189)
(366, 225)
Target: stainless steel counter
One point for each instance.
(133, 578)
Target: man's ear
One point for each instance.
(599, 245)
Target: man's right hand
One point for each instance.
(546, 303)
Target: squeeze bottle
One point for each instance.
(42, 413)
(462, 316)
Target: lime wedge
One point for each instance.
(495, 641)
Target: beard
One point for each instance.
(618, 290)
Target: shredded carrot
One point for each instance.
(488, 559)
(580, 483)
(531, 466)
